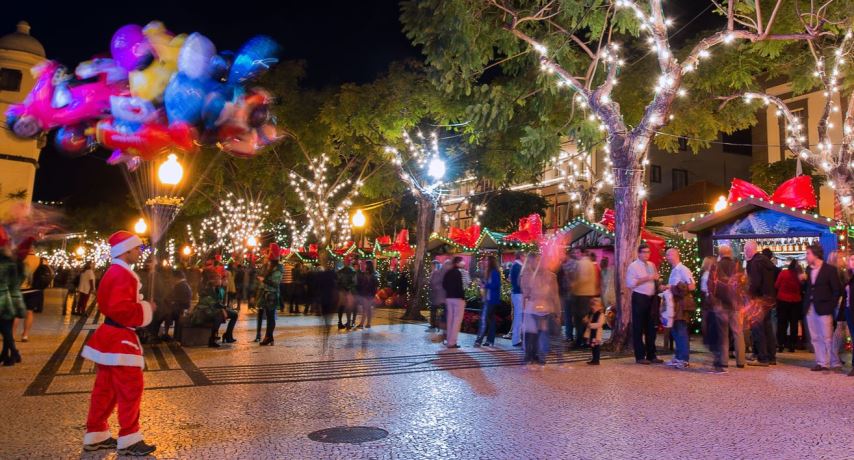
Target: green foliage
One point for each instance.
(505, 208)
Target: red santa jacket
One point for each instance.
(119, 299)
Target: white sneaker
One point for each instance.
(673, 363)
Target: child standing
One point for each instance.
(593, 333)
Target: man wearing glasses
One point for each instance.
(641, 278)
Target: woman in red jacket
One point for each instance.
(789, 306)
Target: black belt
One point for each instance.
(108, 321)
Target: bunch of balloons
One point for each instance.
(157, 93)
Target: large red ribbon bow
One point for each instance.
(384, 240)
(656, 243)
(401, 244)
(530, 230)
(467, 237)
(343, 248)
(796, 193)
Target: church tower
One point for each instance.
(19, 158)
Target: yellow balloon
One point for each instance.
(150, 83)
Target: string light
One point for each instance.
(235, 222)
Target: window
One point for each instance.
(683, 144)
(680, 179)
(738, 142)
(655, 174)
(10, 79)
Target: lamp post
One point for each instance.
(170, 171)
(140, 227)
(358, 221)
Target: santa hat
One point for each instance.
(123, 241)
(274, 252)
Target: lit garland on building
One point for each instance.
(326, 205)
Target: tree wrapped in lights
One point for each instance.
(835, 162)
(289, 233)
(236, 223)
(326, 203)
(577, 47)
(422, 169)
(580, 181)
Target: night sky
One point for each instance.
(346, 41)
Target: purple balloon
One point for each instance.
(130, 48)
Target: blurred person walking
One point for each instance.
(492, 286)
(542, 304)
(11, 301)
(822, 296)
(455, 303)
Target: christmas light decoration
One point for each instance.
(834, 161)
(236, 222)
(326, 203)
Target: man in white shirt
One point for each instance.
(85, 288)
(680, 274)
(640, 278)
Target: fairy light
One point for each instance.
(326, 203)
(235, 221)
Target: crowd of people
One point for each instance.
(750, 309)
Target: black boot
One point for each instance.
(16, 356)
(212, 343)
(267, 341)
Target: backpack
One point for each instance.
(42, 278)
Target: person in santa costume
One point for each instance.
(115, 348)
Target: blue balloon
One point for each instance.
(256, 56)
(184, 99)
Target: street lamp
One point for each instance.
(170, 171)
(358, 219)
(80, 251)
(436, 168)
(251, 242)
(140, 226)
(721, 204)
(186, 250)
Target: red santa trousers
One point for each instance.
(115, 385)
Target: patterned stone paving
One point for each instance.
(245, 401)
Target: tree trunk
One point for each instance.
(426, 216)
(627, 216)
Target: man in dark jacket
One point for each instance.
(180, 299)
(761, 277)
(455, 303)
(820, 301)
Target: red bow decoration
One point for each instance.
(384, 240)
(467, 237)
(796, 193)
(312, 250)
(656, 243)
(401, 244)
(530, 230)
(343, 248)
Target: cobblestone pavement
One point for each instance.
(246, 401)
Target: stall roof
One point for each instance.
(437, 241)
(744, 206)
(580, 227)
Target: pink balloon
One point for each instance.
(129, 47)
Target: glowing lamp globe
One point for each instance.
(721, 204)
(170, 172)
(80, 251)
(186, 251)
(251, 242)
(358, 219)
(140, 226)
(436, 168)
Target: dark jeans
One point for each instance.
(232, 319)
(536, 338)
(595, 350)
(788, 315)
(764, 343)
(271, 321)
(643, 327)
(8, 339)
(434, 315)
(580, 309)
(487, 325)
(566, 303)
(680, 336)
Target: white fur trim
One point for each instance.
(125, 246)
(147, 313)
(112, 359)
(129, 440)
(94, 437)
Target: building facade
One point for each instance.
(19, 52)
